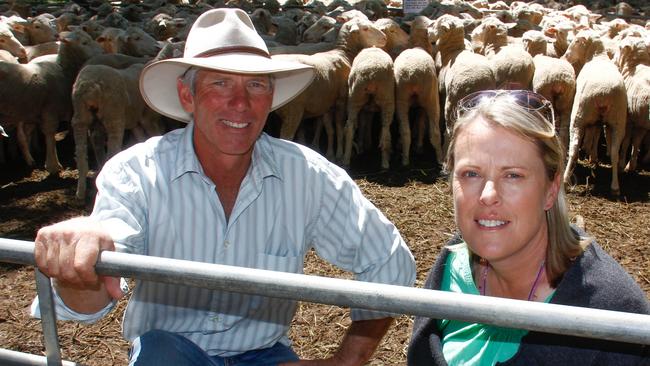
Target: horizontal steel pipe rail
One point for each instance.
(551, 318)
(14, 358)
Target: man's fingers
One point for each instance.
(113, 287)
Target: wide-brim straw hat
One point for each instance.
(223, 40)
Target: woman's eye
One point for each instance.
(469, 174)
(514, 175)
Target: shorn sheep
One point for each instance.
(463, 71)
(326, 96)
(371, 82)
(416, 85)
(38, 93)
(633, 61)
(107, 102)
(600, 100)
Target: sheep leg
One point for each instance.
(339, 117)
(326, 121)
(80, 130)
(402, 110)
(433, 115)
(364, 137)
(49, 127)
(22, 133)
(625, 146)
(387, 113)
(350, 127)
(636, 145)
(290, 125)
(318, 130)
(576, 132)
(114, 135)
(616, 133)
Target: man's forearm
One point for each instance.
(361, 341)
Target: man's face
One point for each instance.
(229, 111)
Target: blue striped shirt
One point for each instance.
(155, 199)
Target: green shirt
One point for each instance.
(473, 343)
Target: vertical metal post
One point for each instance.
(48, 319)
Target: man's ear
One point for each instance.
(185, 96)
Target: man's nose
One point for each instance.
(240, 98)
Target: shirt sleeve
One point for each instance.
(63, 312)
(354, 235)
(120, 204)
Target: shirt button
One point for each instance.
(226, 243)
(214, 318)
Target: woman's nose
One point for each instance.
(489, 194)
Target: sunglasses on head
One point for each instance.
(527, 99)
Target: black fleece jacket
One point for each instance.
(594, 280)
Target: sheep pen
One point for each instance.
(417, 199)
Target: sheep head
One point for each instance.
(358, 34)
(490, 34)
(449, 29)
(583, 48)
(534, 42)
(631, 52)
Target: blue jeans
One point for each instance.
(160, 348)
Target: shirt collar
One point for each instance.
(263, 161)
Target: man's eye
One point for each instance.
(258, 86)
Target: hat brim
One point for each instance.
(158, 80)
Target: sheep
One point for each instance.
(307, 20)
(35, 30)
(633, 61)
(286, 33)
(560, 32)
(416, 84)
(328, 91)
(9, 42)
(556, 81)
(316, 31)
(396, 38)
(6, 56)
(139, 43)
(597, 99)
(513, 66)
(371, 80)
(261, 19)
(112, 40)
(38, 93)
(41, 49)
(462, 72)
(107, 101)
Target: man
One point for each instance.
(221, 191)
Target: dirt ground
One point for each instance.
(416, 199)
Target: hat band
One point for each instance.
(234, 49)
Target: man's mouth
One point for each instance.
(235, 124)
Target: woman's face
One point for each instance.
(501, 192)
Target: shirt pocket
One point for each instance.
(281, 263)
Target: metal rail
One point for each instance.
(551, 318)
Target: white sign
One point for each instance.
(414, 6)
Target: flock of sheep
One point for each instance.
(82, 65)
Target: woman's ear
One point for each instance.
(552, 191)
(185, 96)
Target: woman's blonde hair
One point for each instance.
(501, 111)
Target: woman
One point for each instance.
(505, 164)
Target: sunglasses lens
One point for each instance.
(527, 99)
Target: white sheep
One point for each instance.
(316, 31)
(633, 61)
(462, 71)
(556, 81)
(513, 67)
(107, 102)
(371, 83)
(38, 93)
(396, 38)
(327, 95)
(9, 42)
(600, 99)
(112, 40)
(416, 84)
